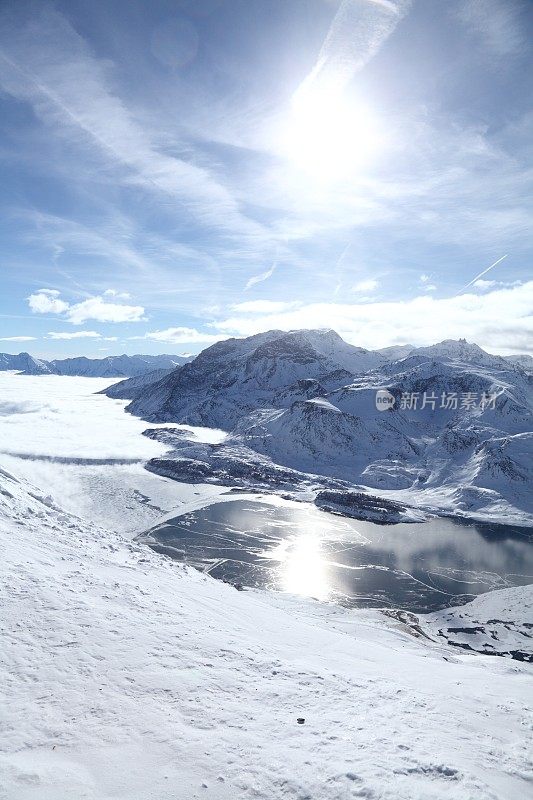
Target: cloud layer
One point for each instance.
(47, 301)
(179, 336)
(66, 336)
(500, 321)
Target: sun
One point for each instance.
(329, 136)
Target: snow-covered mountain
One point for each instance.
(457, 436)
(342, 434)
(230, 379)
(461, 351)
(23, 362)
(128, 366)
(523, 360)
(108, 367)
(396, 351)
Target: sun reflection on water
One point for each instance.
(304, 567)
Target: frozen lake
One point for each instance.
(297, 548)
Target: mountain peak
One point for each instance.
(460, 349)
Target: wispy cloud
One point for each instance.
(497, 24)
(425, 283)
(47, 301)
(484, 285)
(48, 64)
(18, 338)
(264, 306)
(263, 276)
(431, 183)
(140, 260)
(117, 294)
(74, 335)
(367, 286)
(112, 240)
(179, 336)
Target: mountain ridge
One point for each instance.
(107, 367)
(458, 430)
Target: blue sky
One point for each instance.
(179, 172)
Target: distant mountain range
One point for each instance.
(108, 367)
(300, 411)
(396, 352)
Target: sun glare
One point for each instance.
(329, 136)
(304, 569)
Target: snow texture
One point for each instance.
(498, 623)
(126, 676)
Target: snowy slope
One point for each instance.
(124, 676)
(128, 388)
(523, 360)
(328, 343)
(484, 452)
(232, 378)
(306, 401)
(396, 351)
(496, 623)
(317, 436)
(462, 351)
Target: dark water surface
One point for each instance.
(297, 548)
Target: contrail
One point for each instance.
(356, 33)
(337, 270)
(484, 272)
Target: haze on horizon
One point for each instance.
(175, 173)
